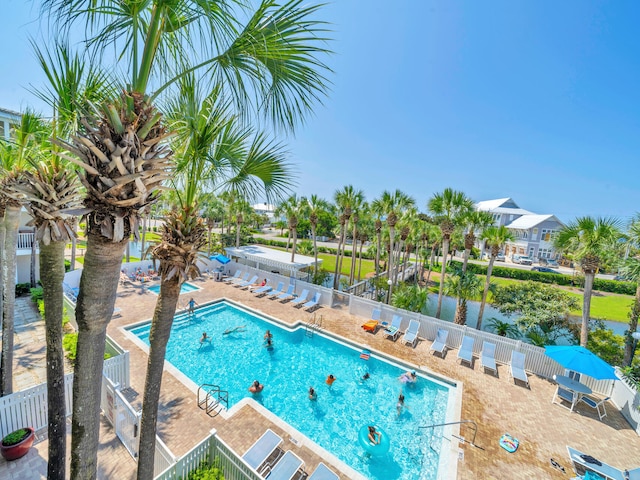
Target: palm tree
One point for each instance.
(316, 207)
(293, 208)
(211, 149)
(474, 221)
(345, 200)
(212, 210)
(449, 208)
(464, 286)
(359, 210)
(495, 238)
(631, 270)
(271, 63)
(589, 242)
(14, 156)
(503, 329)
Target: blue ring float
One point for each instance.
(375, 450)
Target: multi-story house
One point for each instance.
(533, 233)
(8, 119)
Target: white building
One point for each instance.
(8, 119)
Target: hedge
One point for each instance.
(321, 249)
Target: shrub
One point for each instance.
(40, 302)
(70, 345)
(207, 472)
(22, 288)
(36, 294)
(15, 437)
(67, 265)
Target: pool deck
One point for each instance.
(495, 404)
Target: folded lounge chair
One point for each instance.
(393, 330)
(465, 353)
(488, 357)
(262, 449)
(286, 295)
(322, 472)
(313, 304)
(286, 468)
(247, 283)
(516, 368)
(301, 299)
(440, 342)
(411, 335)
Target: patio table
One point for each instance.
(569, 383)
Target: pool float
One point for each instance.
(366, 354)
(509, 443)
(375, 450)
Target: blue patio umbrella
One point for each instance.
(581, 360)
(220, 258)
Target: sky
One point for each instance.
(533, 100)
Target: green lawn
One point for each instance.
(329, 264)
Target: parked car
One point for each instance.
(544, 270)
(551, 263)
(500, 257)
(522, 260)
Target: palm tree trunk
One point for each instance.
(443, 272)
(158, 339)
(32, 263)
(485, 292)
(336, 276)
(51, 277)
(586, 307)
(378, 247)
(633, 327)
(294, 235)
(465, 260)
(431, 261)
(342, 254)
(74, 244)
(3, 259)
(128, 252)
(392, 233)
(98, 286)
(237, 235)
(354, 250)
(12, 221)
(209, 228)
(144, 235)
(315, 250)
(461, 313)
(360, 261)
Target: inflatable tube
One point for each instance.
(375, 450)
(509, 443)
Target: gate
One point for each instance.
(127, 424)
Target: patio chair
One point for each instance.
(411, 335)
(285, 468)
(372, 325)
(393, 330)
(596, 404)
(322, 472)
(488, 357)
(302, 298)
(247, 283)
(288, 295)
(574, 375)
(465, 353)
(516, 368)
(262, 449)
(440, 342)
(313, 304)
(235, 277)
(237, 281)
(279, 290)
(260, 291)
(563, 394)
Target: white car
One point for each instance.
(522, 260)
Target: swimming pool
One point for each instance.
(297, 362)
(186, 287)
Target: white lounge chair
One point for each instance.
(465, 353)
(236, 276)
(375, 314)
(313, 303)
(286, 295)
(393, 330)
(265, 289)
(596, 404)
(440, 342)
(411, 335)
(247, 283)
(279, 290)
(237, 281)
(286, 467)
(322, 472)
(488, 357)
(302, 298)
(516, 368)
(262, 449)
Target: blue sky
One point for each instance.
(538, 101)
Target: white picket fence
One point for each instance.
(28, 408)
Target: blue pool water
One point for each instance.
(297, 362)
(186, 287)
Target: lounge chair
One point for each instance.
(262, 291)
(286, 468)
(488, 357)
(313, 304)
(516, 368)
(286, 295)
(393, 330)
(596, 404)
(278, 291)
(237, 281)
(373, 324)
(262, 449)
(440, 342)
(302, 298)
(465, 353)
(235, 277)
(247, 283)
(411, 335)
(322, 472)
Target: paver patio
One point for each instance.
(495, 404)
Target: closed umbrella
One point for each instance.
(581, 360)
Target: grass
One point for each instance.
(329, 264)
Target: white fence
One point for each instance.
(627, 398)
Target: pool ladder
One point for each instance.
(212, 399)
(313, 325)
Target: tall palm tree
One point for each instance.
(212, 150)
(28, 137)
(449, 208)
(270, 62)
(464, 286)
(316, 207)
(359, 210)
(495, 238)
(631, 270)
(474, 222)
(589, 242)
(294, 208)
(345, 200)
